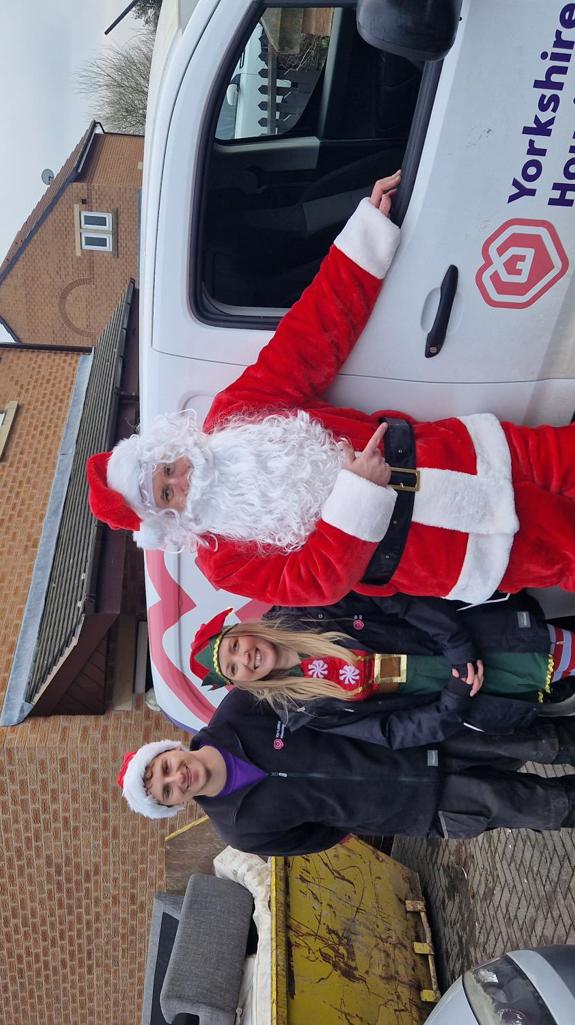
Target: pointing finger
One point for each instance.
(376, 439)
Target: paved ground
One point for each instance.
(503, 890)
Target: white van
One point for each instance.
(266, 125)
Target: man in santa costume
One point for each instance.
(291, 500)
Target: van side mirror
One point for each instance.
(420, 30)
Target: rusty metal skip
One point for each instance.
(351, 940)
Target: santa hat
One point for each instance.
(114, 492)
(131, 780)
(204, 656)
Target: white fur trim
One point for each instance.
(490, 444)
(123, 473)
(465, 502)
(151, 534)
(485, 563)
(369, 239)
(359, 507)
(133, 787)
(481, 505)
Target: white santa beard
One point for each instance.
(263, 481)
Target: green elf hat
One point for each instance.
(204, 657)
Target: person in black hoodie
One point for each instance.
(272, 791)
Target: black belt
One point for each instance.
(399, 451)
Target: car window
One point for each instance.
(276, 73)
(306, 118)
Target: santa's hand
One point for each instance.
(370, 463)
(383, 192)
(473, 675)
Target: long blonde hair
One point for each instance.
(282, 691)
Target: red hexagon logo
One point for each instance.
(521, 261)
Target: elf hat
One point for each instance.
(204, 657)
(131, 780)
(114, 492)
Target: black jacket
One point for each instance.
(428, 626)
(319, 789)
(320, 786)
(389, 625)
(401, 721)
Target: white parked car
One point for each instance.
(525, 987)
(266, 125)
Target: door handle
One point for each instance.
(436, 337)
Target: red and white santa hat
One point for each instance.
(131, 780)
(120, 490)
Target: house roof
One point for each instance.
(71, 590)
(62, 592)
(67, 173)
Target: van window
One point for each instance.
(276, 74)
(306, 118)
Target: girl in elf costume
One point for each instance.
(310, 673)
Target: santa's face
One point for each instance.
(264, 481)
(171, 483)
(244, 658)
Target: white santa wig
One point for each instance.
(132, 464)
(124, 472)
(252, 479)
(131, 779)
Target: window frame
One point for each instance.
(106, 217)
(84, 232)
(292, 131)
(97, 238)
(202, 305)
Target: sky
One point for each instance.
(42, 116)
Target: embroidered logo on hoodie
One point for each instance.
(279, 737)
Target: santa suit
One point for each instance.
(494, 509)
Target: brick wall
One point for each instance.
(77, 869)
(54, 295)
(41, 383)
(80, 870)
(115, 160)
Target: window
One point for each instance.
(95, 220)
(276, 74)
(95, 229)
(92, 241)
(305, 118)
(7, 417)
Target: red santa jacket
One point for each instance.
(464, 517)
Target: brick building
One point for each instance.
(77, 870)
(70, 261)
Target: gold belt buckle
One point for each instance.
(405, 487)
(386, 680)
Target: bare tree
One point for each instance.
(148, 11)
(117, 82)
